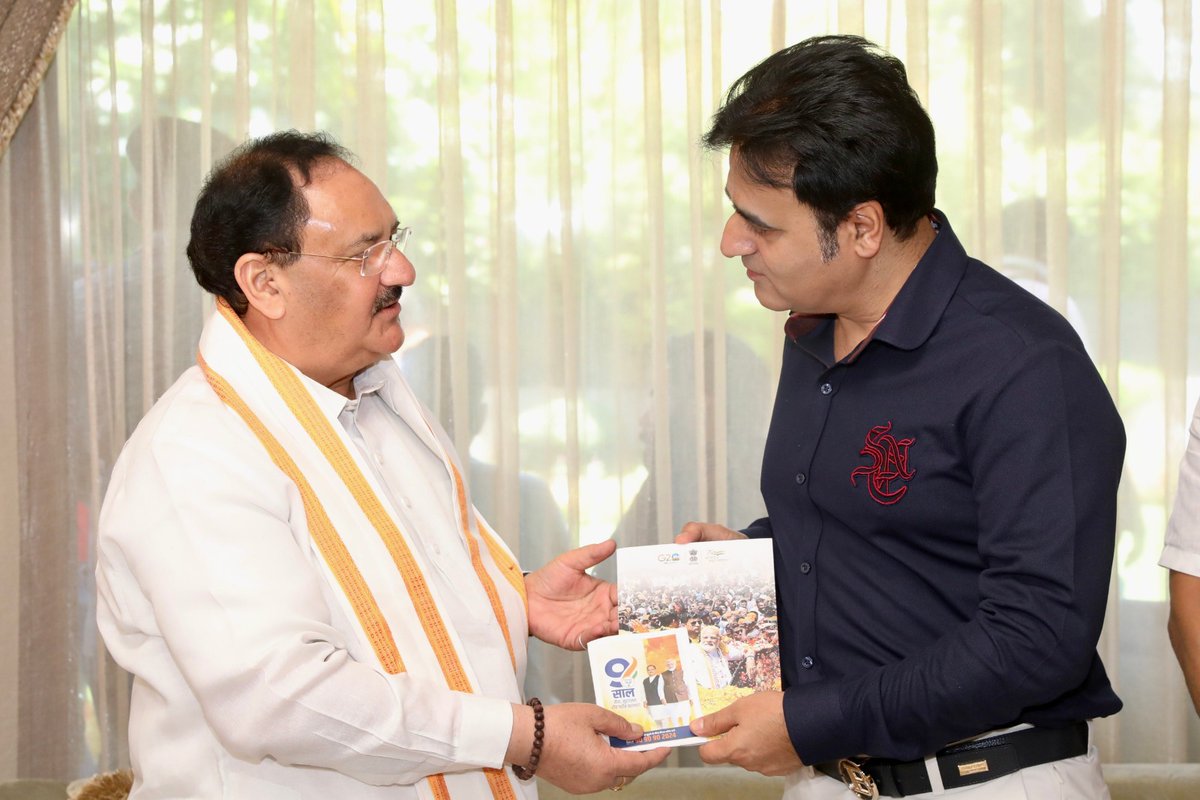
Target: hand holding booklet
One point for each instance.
(698, 631)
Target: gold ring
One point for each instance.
(619, 786)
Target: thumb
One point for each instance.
(582, 558)
(714, 724)
(612, 724)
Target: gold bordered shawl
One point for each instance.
(270, 397)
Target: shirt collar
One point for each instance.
(922, 300)
(913, 313)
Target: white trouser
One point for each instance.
(1076, 778)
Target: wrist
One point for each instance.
(520, 741)
(527, 738)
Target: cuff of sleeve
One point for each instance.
(757, 532)
(1180, 560)
(815, 723)
(486, 728)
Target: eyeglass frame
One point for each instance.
(397, 241)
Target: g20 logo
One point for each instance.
(622, 671)
(667, 558)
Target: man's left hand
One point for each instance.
(756, 736)
(568, 607)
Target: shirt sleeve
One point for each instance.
(1181, 549)
(211, 597)
(759, 529)
(1045, 446)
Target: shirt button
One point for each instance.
(806, 662)
(805, 567)
(826, 388)
(379, 458)
(406, 502)
(801, 478)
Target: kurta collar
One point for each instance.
(372, 380)
(385, 380)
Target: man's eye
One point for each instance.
(755, 228)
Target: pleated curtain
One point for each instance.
(572, 323)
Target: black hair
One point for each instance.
(251, 203)
(834, 119)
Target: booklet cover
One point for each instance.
(644, 677)
(700, 617)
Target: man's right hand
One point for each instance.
(706, 532)
(575, 755)
(753, 735)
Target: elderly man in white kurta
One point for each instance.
(289, 562)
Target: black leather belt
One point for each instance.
(964, 764)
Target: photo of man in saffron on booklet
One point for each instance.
(698, 630)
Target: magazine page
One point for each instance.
(722, 595)
(698, 630)
(645, 678)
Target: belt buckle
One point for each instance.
(857, 780)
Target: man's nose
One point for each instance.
(399, 271)
(735, 238)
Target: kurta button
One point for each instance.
(801, 478)
(826, 388)
(806, 567)
(806, 662)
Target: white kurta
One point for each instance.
(252, 678)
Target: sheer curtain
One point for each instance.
(573, 323)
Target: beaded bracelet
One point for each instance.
(539, 735)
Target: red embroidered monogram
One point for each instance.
(889, 457)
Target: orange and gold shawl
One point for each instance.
(339, 495)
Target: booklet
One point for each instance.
(644, 677)
(698, 630)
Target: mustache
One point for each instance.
(387, 297)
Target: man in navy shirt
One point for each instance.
(941, 470)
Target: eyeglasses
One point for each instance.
(375, 258)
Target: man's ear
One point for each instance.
(869, 225)
(257, 277)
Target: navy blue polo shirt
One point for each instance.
(943, 508)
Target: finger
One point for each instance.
(600, 631)
(597, 631)
(714, 752)
(691, 532)
(633, 764)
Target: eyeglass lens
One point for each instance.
(378, 254)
